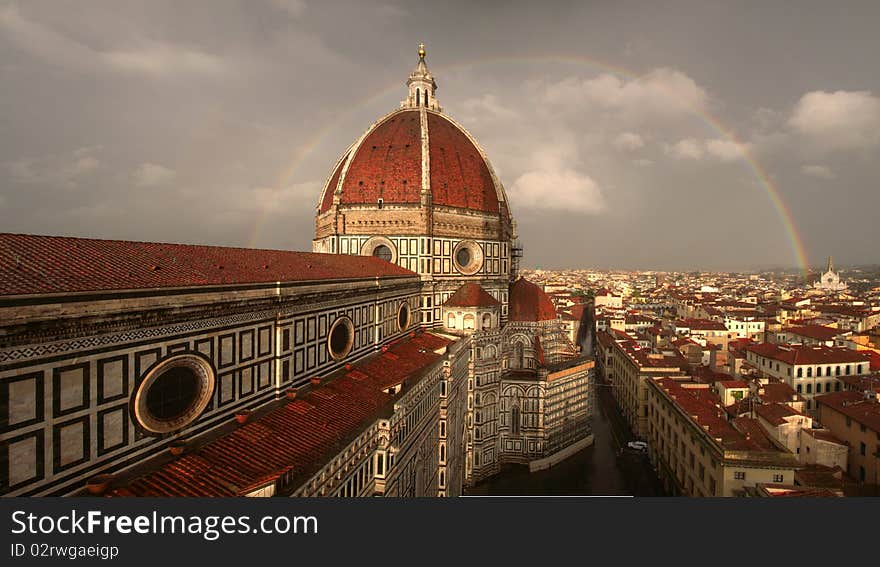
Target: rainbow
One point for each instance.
(779, 205)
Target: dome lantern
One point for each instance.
(421, 86)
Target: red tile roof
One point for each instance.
(32, 264)
(528, 302)
(459, 175)
(861, 383)
(806, 354)
(701, 325)
(855, 406)
(298, 436)
(816, 332)
(471, 295)
(703, 407)
(387, 165)
(754, 433)
(776, 413)
(728, 383)
(779, 392)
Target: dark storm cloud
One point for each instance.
(217, 122)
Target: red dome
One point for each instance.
(471, 295)
(387, 164)
(528, 302)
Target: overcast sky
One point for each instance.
(217, 122)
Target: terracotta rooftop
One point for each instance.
(775, 413)
(471, 295)
(298, 436)
(778, 392)
(855, 406)
(32, 264)
(528, 302)
(807, 354)
(861, 383)
(815, 332)
(702, 407)
(701, 325)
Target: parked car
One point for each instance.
(638, 445)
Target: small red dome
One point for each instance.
(471, 295)
(528, 302)
(387, 164)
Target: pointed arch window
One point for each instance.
(514, 420)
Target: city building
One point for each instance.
(698, 452)
(628, 371)
(854, 418)
(810, 370)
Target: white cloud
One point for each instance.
(718, 148)
(557, 189)
(663, 92)
(628, 141)
(152, 175)
(154, 58)
(725, 150)
(689, 148)
(162, 59)
(485, 108)
(55, 170)
(838, 120)
(282, 201)
(820, 171)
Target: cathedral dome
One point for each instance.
(415, 156)
(409, 153)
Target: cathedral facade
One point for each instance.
(830, 280)
(402, 357)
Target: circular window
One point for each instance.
(468, 257)
(174, 394)
(463, 256)
(341, 338)
(383, 252)
(380, 247)
(403, 316)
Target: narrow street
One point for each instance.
(598, 470)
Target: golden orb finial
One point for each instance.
(421, 50)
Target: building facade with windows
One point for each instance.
(854, 417)
(810, 369)
(698, 452)
(628, 370)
